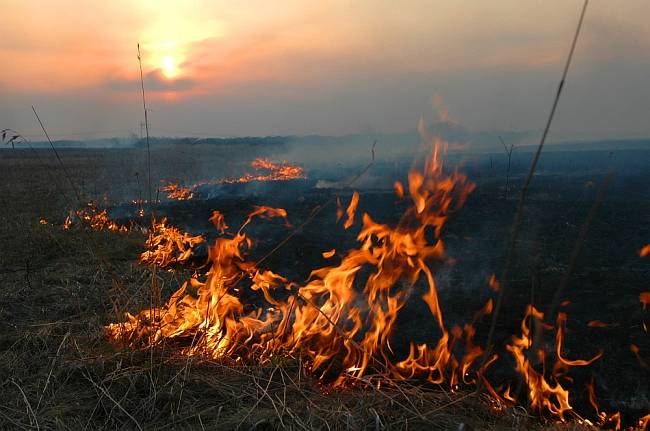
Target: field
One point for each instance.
(60, 288)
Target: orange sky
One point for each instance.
(238, 60)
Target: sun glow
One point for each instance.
(169, 67)
(170, 39)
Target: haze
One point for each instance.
(216, 68)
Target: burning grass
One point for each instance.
(340, 326)
(323, 322)
(58, 371)
(265, 170)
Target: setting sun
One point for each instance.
(169, 67)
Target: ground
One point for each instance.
(59, 288)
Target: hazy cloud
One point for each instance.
(298, 67)
(154, 81)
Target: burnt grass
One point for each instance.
(58, 370)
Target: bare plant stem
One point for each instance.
(146, 124)
(522, 197)
(575, 253)
(509, 154)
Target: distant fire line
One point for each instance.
(274, 172)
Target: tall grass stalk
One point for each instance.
(146, 124)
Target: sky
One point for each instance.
(288, 67)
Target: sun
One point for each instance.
(169, 67)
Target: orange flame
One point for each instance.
(644, 423)
(644, 297)
(167, 245)
(177, 192)
(90, 217)
(340, 322)
(274, 172)
(219, 221)
(635, 349)
(267, 213)
(494, 283)
(399, 189)
(604, 418)
(350, 212)
(645, 251)
(543, 396)
(328, 317)
(339, 209)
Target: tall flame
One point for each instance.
(339, 322)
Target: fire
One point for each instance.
(540, 392)
(267, 213)
(340, 322)
(341, 329)
(635, 349)
(219, 221)
(167, 245)
(494, 283)
(67, 223)
(350, 212)
(645, 251)
(644, 422)
(266, 170)
(604, 419)
(177, 192)
(92, 218)
(644, 298)
(270, 171)
(544, 396)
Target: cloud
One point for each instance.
(154, 81)
(329, 68)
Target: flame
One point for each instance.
(543, 395)
(644, 298)
(275, 172)
(645, 251)
(67, 223)
(42, 221)
(177, 192)
(219, 221)
(644, 422)
(92, 218)
(561, 320)
(339, 322)
(604, 419)
(399, 189)
(494, 283)
(167, 245)
(266, 171)
(350, 212)
(340, 330)
(267, 213)
(635, 349)
(339, 209)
